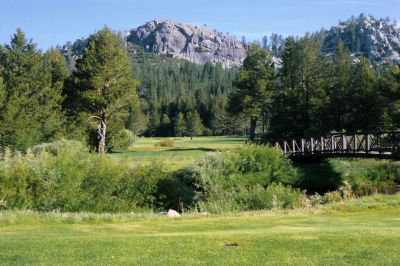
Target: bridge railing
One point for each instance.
(378, 143)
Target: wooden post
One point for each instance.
(293, 146)
(367, 144)
(322, 144)
(344, 143)
(312, 145)
(355, 143)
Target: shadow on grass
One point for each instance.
(191, 149)
(318, 177)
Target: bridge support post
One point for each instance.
(344, 143)
(322, 144)
(293, 146)
(367, 143)
(302, 146)
(312, 145)
(355, 143)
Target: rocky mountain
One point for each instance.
(375, 39)
(185, 41)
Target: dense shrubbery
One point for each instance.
(248, 178)
(64, 176)
(123, 140)
(367, 176)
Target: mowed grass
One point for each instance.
(359, 232)
(183, 153)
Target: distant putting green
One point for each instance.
(360, 232)
(183, 152)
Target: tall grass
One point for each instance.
(65, 176)
(367, 176)
(247, 178)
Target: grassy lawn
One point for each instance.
(360, 232)
(184, 151)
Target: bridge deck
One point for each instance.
(380, 145)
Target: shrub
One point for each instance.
(55, 147)
(238, 179)
(3, 205)
(275, 196)
(166, 143)
(316, 199)
(176, 190)
(333, 196)
(367, 176)
(123, 139)
(74, 180)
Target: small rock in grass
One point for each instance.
(173, 213)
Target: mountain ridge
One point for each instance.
(376, 39)
(186, 41)
(364, 36)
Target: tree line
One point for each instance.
(104, 90)
(111, 87)
(312, 93)
(42, 100)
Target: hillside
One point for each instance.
(185, 41)
(376, 39)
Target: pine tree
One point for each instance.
(366, 107)
(179, 125)
(253, 92)
(165, 127)
(301, 98)
(194, 126)
(32, 105)
(265, 42)
(390, 86)
(338, 92)
(154, 122)
(137, 121)
(57, 72)
(2, 96)
(103, 78)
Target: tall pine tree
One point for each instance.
(105, 86)
(32, 102)
(253, 92)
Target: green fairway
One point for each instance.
(182, 153)
(360, 232)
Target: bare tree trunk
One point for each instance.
(102, 137)
(263, 122)
(253, 123)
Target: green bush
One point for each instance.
(74, 180)
(123, 140)
(367, 176)
(236, 179)
(275, 196)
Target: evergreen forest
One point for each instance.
(124, 92)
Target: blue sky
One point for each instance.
(52, 22)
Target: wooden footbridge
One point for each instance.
(378, 145)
